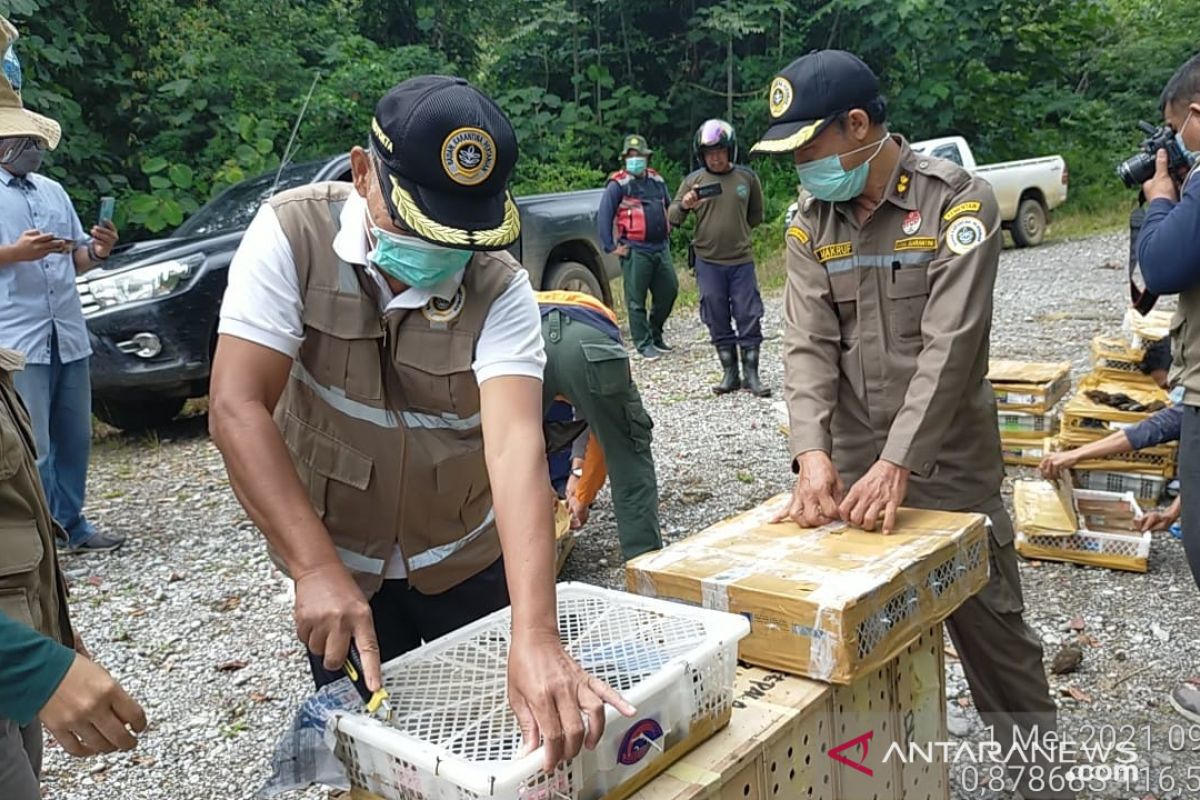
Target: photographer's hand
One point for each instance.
(1162, 184)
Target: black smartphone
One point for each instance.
(708, 190)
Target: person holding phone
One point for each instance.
(42, 249)
(728, 202)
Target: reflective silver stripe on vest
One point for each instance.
(439, 422)
(360, 563)
(436, 555)
(850, 262)
(337, 398)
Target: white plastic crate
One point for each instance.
(1143, 487)
(453, 736)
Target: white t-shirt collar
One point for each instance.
(352, 246)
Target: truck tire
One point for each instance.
(135, 412)
(1029, 228)
(571, 276)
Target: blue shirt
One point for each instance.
(1168, 247)
(39, 298)
(609, 202)
(1163, 426)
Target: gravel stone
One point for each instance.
(193, 587)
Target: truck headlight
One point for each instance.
(143, 283)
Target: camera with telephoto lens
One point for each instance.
(1139, 168)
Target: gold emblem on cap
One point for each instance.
(468, 156)
(780, 96)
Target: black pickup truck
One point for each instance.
(152, 309)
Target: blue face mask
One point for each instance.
(415, 262)
(1190, 155)
(826, 178)
(635, 165)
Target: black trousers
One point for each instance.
(405, 618)
(1189, 487)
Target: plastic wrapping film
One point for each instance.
(305, 753)
(1086, 538)
(1151, 328)
(1046, 508)
(747, 553)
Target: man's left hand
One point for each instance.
(579, 510)
(1162, 184)
(550, 694)
(104, 239)
(881, 490)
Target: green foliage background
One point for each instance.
(165, 102)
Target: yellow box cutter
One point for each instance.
(375, 701)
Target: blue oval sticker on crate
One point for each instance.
(639, 740)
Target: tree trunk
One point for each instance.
(575, 78)
(729, 78)
(625, 41)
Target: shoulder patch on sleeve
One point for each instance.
(969, 207)
(798, 233)
(965, 234)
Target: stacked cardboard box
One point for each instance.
(1059, 523)
(1026, 394)
(844, 635)
(1086, 419)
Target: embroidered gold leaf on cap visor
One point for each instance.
(421, 224)
(789, 143)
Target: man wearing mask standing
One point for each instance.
(728, 202)
(891, 262)
(1168, 251)
(42, 249)
(399, 348)
(633, 209)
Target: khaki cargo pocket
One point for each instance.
(464, 488)
(640, 426)
(322, 460)
(21, 545)
(12, 443)
(844, 290)
(435, 369)
(348, 354)
(607, 367)
(907, 291)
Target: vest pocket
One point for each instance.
(21, 555)
(607, 367)
(464, 493)
(322, 461)
(907, 293)
(435, 371)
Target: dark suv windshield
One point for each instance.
(236, 206)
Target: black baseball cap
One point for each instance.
(445, 152)
(809, 93)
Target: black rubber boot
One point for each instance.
(750, 368)
(732, 380)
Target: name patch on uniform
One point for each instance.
(831, 251)
(442, 311)
(798, 234)
(964, 234)
(969, 207)
(915, 243)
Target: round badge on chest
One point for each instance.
(440, 310)
(912, 223)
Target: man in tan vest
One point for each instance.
(377, 397)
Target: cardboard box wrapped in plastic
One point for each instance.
(783, 729)
(828, 603)
(1056, 522)
(1034, 387)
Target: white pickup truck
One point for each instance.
(1026, 190)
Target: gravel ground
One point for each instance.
(196, 623)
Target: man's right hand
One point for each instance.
(88, 712)
(690, 200)
(1054, 463)
(330, 610)
(33, 245)
(817, 493)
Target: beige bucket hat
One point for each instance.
(15, 119)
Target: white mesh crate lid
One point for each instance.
(450, 697)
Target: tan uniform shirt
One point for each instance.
(723, 221)
(887, 326)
